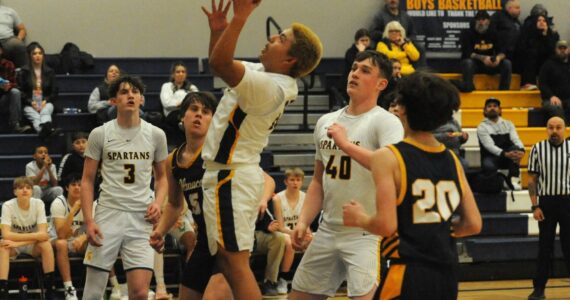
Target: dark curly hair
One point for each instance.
(428, 99)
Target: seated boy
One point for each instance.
(44, 176)
(287, 205)
(66, 231)
(24, 230)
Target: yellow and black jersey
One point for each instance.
(189, 177)
(431, 189)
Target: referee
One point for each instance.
(549, 182)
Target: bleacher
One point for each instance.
(509, 236)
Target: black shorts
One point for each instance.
(418, 281)
(199, 268)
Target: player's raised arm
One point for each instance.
(221, 58)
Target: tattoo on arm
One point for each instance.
(531, 188)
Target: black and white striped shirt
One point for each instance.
(551, 163)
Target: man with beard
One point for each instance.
(554, 82)
(549, 190)
(501, 147)
(482, 52)
(391, 12)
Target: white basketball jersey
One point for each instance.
(343, 178)
(23, 221)
(246, 115)
(60, 209)
(127, 157)
(291, 214)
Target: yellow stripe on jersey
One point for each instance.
(379, 271)
(403, 174)
(392, 288)
(218, 213)
(236, 126)
(426, 148)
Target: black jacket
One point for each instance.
(27, 84)
(554, 79)
(508, 29)
(487, 43)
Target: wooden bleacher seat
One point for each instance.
(145, 65)
(509, 99)
(484, 82)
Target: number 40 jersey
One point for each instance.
(343, 178)
(127, 157)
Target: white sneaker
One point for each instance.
(282, 286)
(516, 183)
(70, 293)
(116, 293)
(150, 295)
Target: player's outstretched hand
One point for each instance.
(94, 235)
(298, 237)
(217, 19)
(243, 8)
(156, 241)
(152, 213)
(353, 214)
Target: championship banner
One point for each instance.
(438, 23)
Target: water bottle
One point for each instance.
(37, 96)
(23, 283)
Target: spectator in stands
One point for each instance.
(10, 97)
(549, 191)
(395, 45)
(171, 95)
(72, 163)
(39, 91)
(287, 206)
(554, 82)
(481, 52)
(12, 35)
(388, 95)
(536, 45)
(451, 135)
(500, 145)
(538, 10)
(361, 42)
(99, 101)
(43, 173)
(67, 232)
(25, 230)
(391, 12)
(270, 241)
(173, 92)
(508, 26)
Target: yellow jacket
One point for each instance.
(404, 54)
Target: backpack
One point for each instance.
(70, 59)
(490, 183)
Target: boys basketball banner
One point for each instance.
(438, 23)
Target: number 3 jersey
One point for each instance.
(430, 191)
(127, 157)
(343, 178)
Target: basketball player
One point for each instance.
(184, 176)
(247, 114)
(129, 150)
(419, 185)
(345, 140)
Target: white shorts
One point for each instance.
(335, 256)
(123, 232)
(186, 226)
(26, 249)
(231, 202)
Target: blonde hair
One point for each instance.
(23, 181)
(296, 172)
(394, 25)
(307, 49)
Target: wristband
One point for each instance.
(534, 207)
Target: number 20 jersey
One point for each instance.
(431, 189)
(343, 178)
